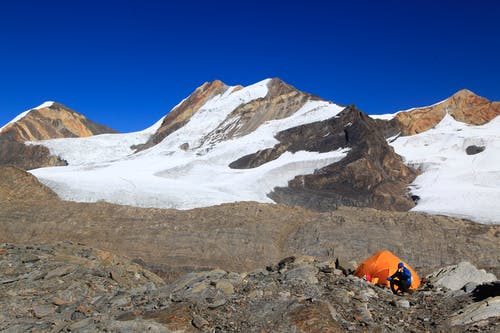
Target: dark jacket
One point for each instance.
(405, 275)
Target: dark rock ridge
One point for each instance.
(371, 175)
(65, 287)
(27, 157)
(54, 121)
(239, 236)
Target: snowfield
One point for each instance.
(452, 182)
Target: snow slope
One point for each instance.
(97, 148)
(452, 182)
(167, 176)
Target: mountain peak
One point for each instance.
(464, 106)
(212, 85)
(464, 93)
(44, 105)
(50, 120)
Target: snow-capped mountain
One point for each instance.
(270, 142)
(190, 167)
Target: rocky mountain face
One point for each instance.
(371, 175)
(49, 121)
(181, 114)
(281, 101)
(66, 287)
(52, 121)
(464, 106)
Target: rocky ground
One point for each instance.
(67, 287)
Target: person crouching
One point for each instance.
(401, 279)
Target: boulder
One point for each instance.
(489, 308)
(457, 276)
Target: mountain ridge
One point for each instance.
(464, 106)
(270, 142)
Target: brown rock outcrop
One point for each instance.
(281, 101)
(50, 122)
(464, 106)
(181, 114)
(55, 121)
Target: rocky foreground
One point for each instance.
(66, 287)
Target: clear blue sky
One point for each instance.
(125, 64)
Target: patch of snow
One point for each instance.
(388, 116)
(47, 104)
(452, 182)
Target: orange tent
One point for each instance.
(382, 265)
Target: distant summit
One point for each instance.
(50, 120)
(463, 106)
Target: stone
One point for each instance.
(28, 258)
(200, 322)
(314, 318)
(469, 287)
(403, 303)
(41, 311)
(226, 286)
(305, 273)
(137, 326)
(36, 275)
(473, 150)
(59, 302)
(81, 325)
(489, 308)
(58, 272)
(456, 276)
(120, 299)
(175, 317)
